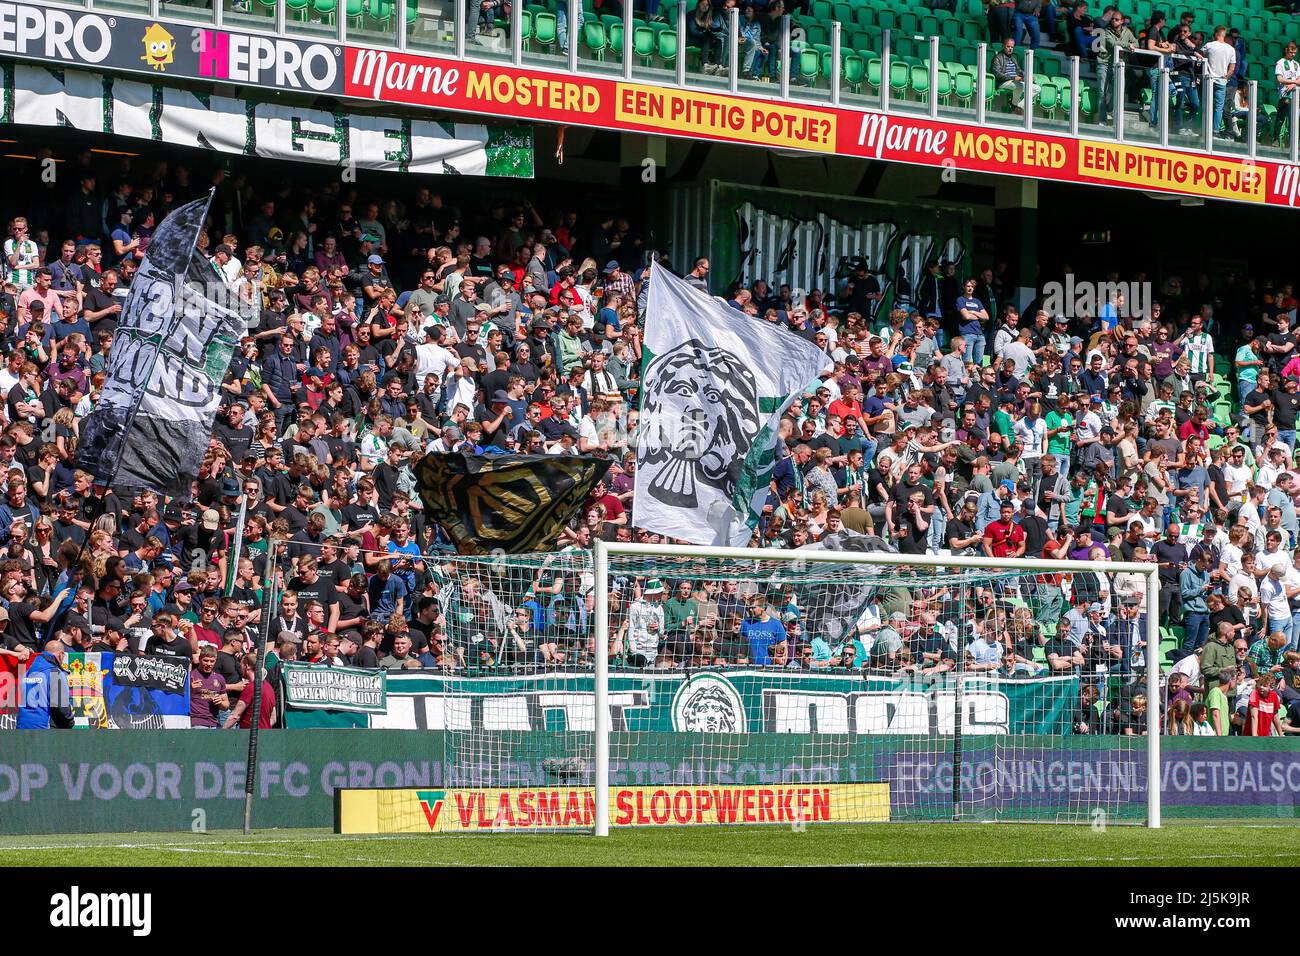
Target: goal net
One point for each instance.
(783, 688)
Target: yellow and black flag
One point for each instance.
(514, 503)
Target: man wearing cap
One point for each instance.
(496, 419)
(645, 625)
(616, 280)
(989, 507)
(374, 280)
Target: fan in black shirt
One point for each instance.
(165, 639)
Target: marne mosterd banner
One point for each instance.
(715, 385)
(179, 327)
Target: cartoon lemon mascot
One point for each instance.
(159, 47)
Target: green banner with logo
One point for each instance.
(742, 701)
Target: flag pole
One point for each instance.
(263, 631)
(237, 546)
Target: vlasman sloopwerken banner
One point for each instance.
(113, 42)
(353, 689)
(468, 810)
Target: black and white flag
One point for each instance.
(180, 325)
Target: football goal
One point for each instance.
(640, 685)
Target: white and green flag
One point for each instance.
(714, 387)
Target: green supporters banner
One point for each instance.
(505, 504)
(347, 689)
(260, 123)
(738, 702)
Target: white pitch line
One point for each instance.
(287, 855)
(198, 846)
(1057, 859)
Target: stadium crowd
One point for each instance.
(392, 327)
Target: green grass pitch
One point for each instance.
(1244, 844)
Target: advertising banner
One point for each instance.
(352, 689)
(574, 808)
(76, 783)
(172, 49)
(503, 90)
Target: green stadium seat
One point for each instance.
(644, 45)
(545, 30)
(668, 47)
(919, 82)
(593, 35)
(820, 9)
(1049, 99)
(809, 66)
(909, 23)
(944, 85)
(887, 20)
(817, 34)
(842, 12)
(963, 84)
(1087, 101)
(874, 67)
(855, 70)
(899, 77)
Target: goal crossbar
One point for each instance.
(604, 550)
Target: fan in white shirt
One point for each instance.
(1237, 476)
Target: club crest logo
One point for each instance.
(708, 704)
(702, 402)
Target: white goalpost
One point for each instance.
(651, 686)
(1012, 764)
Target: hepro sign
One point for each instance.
(52, 34)
(165, 48)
